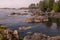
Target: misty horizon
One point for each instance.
(16, 3)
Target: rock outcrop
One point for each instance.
(11, 35)
(37, 19)
(36, 36)
(54, 38)
(40, 36)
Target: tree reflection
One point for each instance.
(58, 23)
(49, 23)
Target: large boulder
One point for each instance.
(54, 38)
(36, 36)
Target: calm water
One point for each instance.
(14, 22)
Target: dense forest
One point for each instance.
(47, 5)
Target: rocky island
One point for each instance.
(16, 14)
(36, 19)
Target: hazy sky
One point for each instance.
(16, 3)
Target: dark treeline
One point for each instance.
(47, 5)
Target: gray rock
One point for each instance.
(36, 36)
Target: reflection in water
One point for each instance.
(58, 23)
(54, 26)
(49, 23)
(53, 23)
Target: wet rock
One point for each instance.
(13, 13)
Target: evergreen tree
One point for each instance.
(50, 5)
(33, 5)
(46, 5)
(55, 7)
(42, 6)
(59, 6)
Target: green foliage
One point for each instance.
(42, 6)
(49, 5)
(55, 7)
(2, 27)
(46, 5)
(2, 37)
(59, 5)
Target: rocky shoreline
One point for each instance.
(14, 35)
(40, 36)
(36, 19)
(9, 35)
(16, 14)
